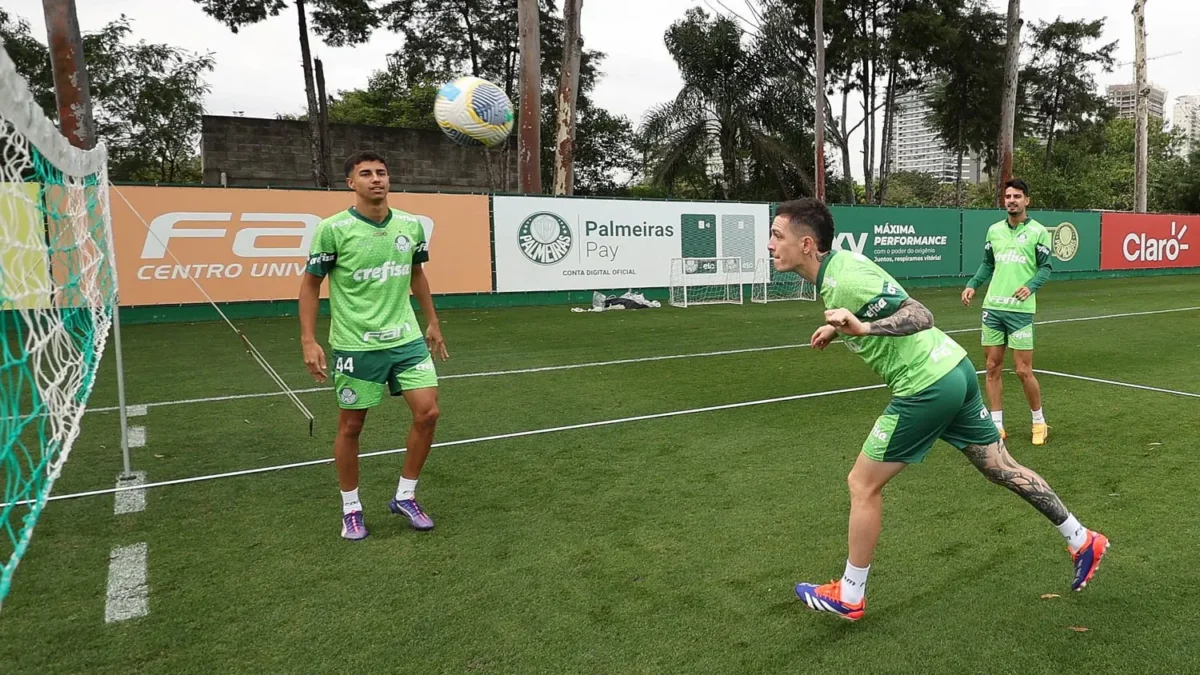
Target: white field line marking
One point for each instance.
(137, 437)
(128, 593)
(481, 439)
(617, 362)
(130, 501)
(1114, 382)
(136, 411)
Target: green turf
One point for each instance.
(663, 545)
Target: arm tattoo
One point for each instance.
(1000, 468)
(912, 317)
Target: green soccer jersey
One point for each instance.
(1014, 257)
(908, 364)
(369, 266)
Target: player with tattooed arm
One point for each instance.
(935, 394)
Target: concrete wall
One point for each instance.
(256, 152)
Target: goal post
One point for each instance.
(771, 285)
(706, 281)
(58, 291)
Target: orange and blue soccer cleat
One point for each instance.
(1087, 559)
(1040, 432)
(828, 598)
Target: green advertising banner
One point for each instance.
(1074, 236)
(905, 242)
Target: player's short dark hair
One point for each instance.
(360, 157)
(812, 215)
(1018, 183)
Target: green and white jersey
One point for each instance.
(1014, 257)
(369, 266)
(908, 364)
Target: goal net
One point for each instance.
(770, 285)
(706, 281)
(57, 292)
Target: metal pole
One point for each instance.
(121, 381)
(819, 123)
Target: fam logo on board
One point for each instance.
(545, 238)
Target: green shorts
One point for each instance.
(361, 379)
(1014, 329)
(950, 409)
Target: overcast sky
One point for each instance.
(258, 71)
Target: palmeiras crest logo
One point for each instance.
(1065, 242)
(545, 238)
(348, 396)
(403, 244)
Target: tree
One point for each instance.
(1141, 144)
(728, 91)
(529, 130)
(565, 101)
(1093, 168)
(1061, 89)
(439, 40)
(31, 59)
(1008, 101)
(338, 22)
(965, 102)
(910, 188)
(147, 98)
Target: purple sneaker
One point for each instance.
(410, 509)
(353, 527)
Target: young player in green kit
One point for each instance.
(1017, 262)
(935, 395)
(373, 256)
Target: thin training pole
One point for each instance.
(121, 384)
(116, 326)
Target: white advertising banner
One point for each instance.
(561, 244)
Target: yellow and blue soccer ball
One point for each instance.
(474, 112)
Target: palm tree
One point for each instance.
(721, 111)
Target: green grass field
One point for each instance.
(667, 544)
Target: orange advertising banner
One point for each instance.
(252, 244)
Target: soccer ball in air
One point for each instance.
(473, 112)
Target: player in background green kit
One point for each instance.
(935, 395)
(1016, 259)
(373, 256)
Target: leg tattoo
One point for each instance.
(994, 462)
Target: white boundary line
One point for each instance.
(471, 441)
(537, 432)
(1114, 382)
(617, 362)
(128, 594)
(130, 501)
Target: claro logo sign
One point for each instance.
(257, 250)
(1147, 241)
(1139, 247)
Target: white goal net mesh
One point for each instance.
(57, 292)
(770, 285)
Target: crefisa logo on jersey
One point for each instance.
(545, 238)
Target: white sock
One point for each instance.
(350, 502)
(1039, 417)
(406, 489)
(1075, 533)
(854, 583)
(998, 418)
